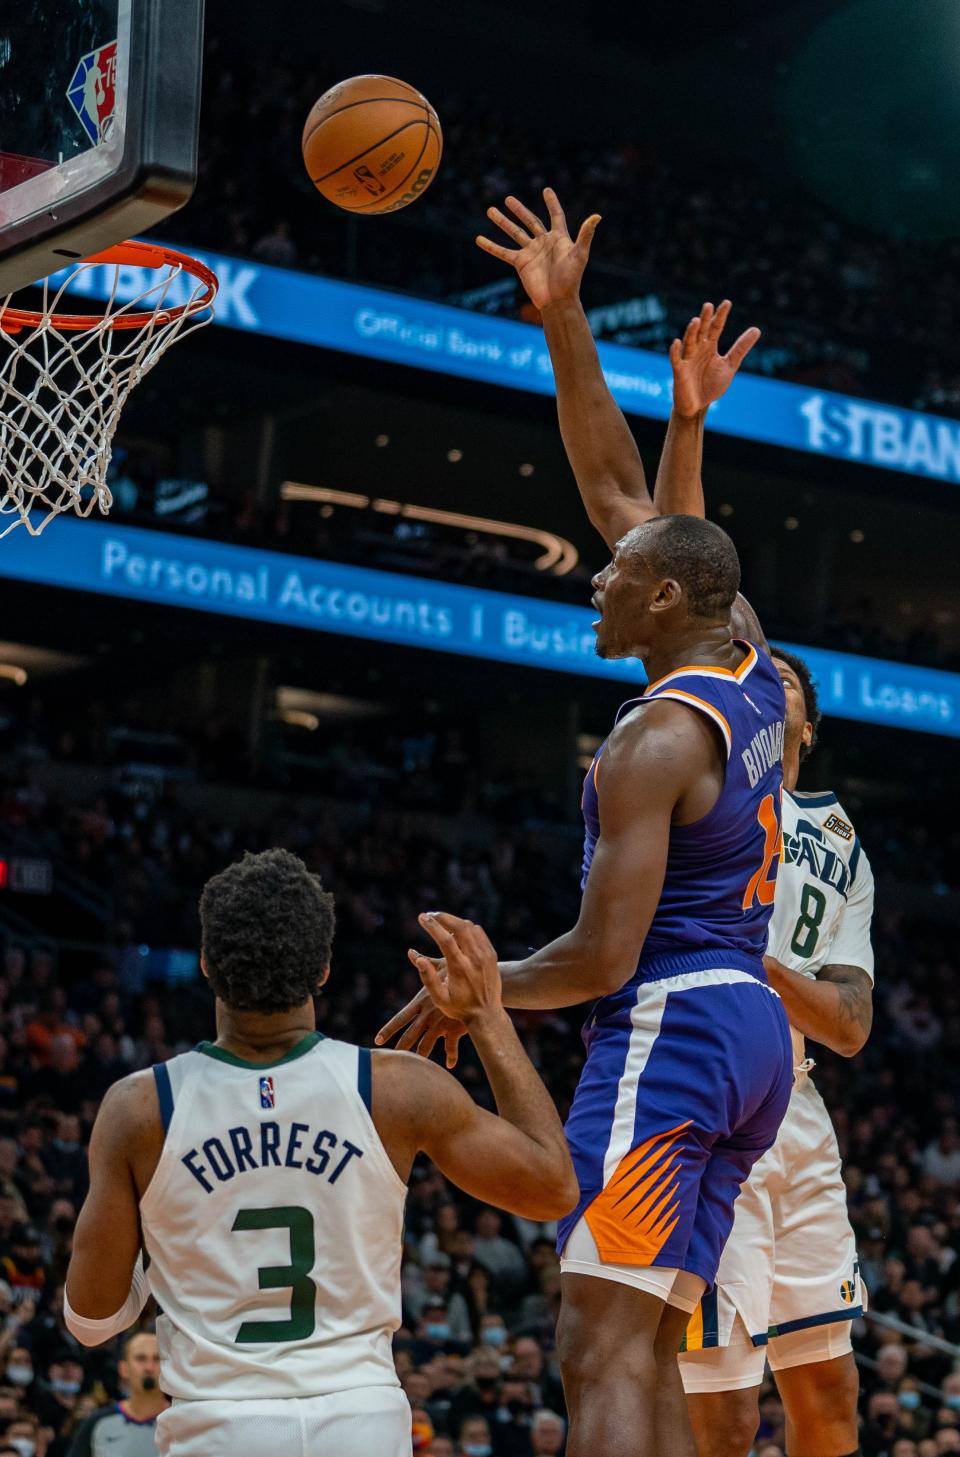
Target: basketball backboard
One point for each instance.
(99, 109)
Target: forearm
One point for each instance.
(561, 974)
(93, 1331)
(597, 439)
(521, 1096)
(834, 1012)
(679, 487)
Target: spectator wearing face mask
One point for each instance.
(126, 1429)
(19, 1369)
(23, 1435)
(58, 1393)
(434, 1336)
(910, 1399)
(475, 1439)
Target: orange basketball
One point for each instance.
(372, 144)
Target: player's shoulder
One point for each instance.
(129, 1097)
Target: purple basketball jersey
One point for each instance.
(718, 888)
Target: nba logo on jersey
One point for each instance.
(93, 91)
(267, 1096)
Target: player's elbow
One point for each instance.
(849, 1043)
(550, 1198)
(84, 1330)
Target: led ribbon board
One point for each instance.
(379, 325)
(237, 581)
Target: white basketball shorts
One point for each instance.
(789, 1281)
(368, 1420)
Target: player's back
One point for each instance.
(273, 1224)
(721, 870)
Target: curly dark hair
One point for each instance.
(267, 931)
(811, 699)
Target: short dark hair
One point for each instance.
(811, 699)
(699, 555)
(267, 931)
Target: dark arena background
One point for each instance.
(340, 605)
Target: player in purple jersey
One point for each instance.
(689, 1063)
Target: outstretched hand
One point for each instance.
(548, 261)
(462, 984)
(701, 374)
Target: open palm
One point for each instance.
(701, 374)
(548, 261)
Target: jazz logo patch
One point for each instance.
(268, 1098)
(838, 826)
(847, 1291)
(93, 91)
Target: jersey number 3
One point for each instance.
(763, 882)
(296, 1275)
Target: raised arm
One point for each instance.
(519, 1160)
(701, 375)
(598, 441)
(599, 444)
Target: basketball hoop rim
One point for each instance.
(144, 255)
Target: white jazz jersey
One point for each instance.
(824, 899)
(778, 1279)
(274, 1225)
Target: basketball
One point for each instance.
(372, 144)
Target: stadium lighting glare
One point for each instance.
(791, 523)
(559, 555)
(454, 455)
(13, 673)
(857, 536)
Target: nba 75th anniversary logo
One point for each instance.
(93, 91)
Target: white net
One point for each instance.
(62, 388)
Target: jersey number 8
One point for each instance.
(806, 933)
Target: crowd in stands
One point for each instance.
(475, 1354)
(829, 298)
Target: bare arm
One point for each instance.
(701, 375)
(518, 1160)
(642, 775)
(598, 441)
(652, 758)
(836, 1009)
(106, 1241)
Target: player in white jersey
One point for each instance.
(789, 1284)
(796, 1265)
(263, 1177)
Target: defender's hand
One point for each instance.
(471, 986)
(422, 1025)
(700, 373)
(549, 263)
